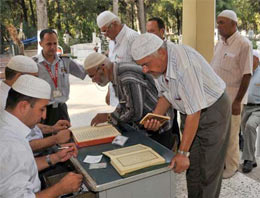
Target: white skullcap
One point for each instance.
(229, 14)
(145, 45)
(105, 18)
(32, 86)
(256, 54)
(93, 60)
(23, 64)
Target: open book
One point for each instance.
(92, 135)
(133, 158)
(160, 118)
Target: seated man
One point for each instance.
(17, 66)
(135, 90)
(251, 118)
(25, 107)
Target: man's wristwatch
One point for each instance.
(185, 153)
(48, 160)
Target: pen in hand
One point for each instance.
(63, 147)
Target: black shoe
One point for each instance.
(248, 166)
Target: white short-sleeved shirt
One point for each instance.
(120, 48)
(190, 84)
(233, 59)
(120, 51)
(19, 173)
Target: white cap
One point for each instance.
(93, 60)
(145, 45)
(229, 14)
(23, 64)
(105, 18)
(256, 54)
(32, 86)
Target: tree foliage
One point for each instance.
(78, 17)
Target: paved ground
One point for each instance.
(86, 99)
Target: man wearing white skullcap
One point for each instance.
(250, 118)
(25, 107)
(136, 92)
(121, 39)
(232, 61)
(17, 66)
(156, 26)
(186, 82)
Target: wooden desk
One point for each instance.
(159, 182)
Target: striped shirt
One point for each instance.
(190, 84)
(233, 59)
(137, 94)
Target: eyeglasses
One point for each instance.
(107, 29)
(98, 68)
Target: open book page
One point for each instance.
(126, 150)
(160, 118)
(129, 159)
(90, 133)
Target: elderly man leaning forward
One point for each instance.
(156, 26)
(135, 90)
(17, 66)
(25, 107)
(186, 82)
(232, 61)
(121, 39)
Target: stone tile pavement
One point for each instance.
(87, 99)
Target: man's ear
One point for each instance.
(40, 43)
(23, 107)
(162, 32)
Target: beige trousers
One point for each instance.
(232, 157)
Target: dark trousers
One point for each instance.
(176, 131)
(166, 138)
(55, 114)
(208, 150)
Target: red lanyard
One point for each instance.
(54, 78)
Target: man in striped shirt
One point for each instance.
(233, 61)
(186, 82)
(135, 90)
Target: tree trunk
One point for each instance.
(32, 11)
(115, 7)
(25, 16)
(141, 15)
(59, 17)
(42, 16)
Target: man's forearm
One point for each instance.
(162, 106)
(51, 192)
(39, 144)
(42, 162)
(190, 130)
(243, 87)
(46, 129)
